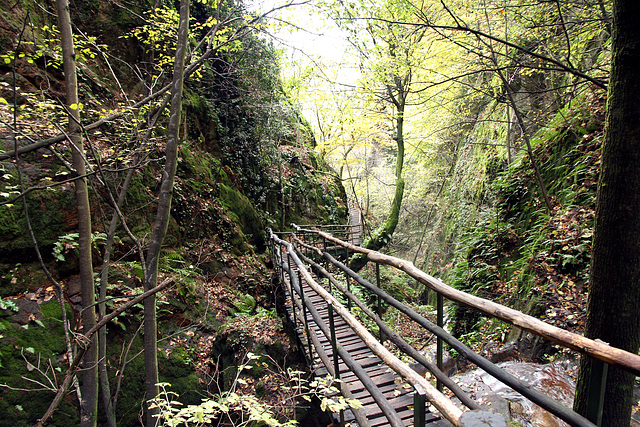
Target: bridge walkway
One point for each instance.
(398, 392)
(321, 307)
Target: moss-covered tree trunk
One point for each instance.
(89, 390)
(162, 216)
(382, 235)
(613, 313)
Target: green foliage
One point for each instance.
(184, 273)
(247, 409)
(524, 257)
(8, 305)
(48, 217)
(392, 281)
(226, 176)
(47, 51)
(245, 306)
(244, 214)
(32, 357)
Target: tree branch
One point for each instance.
(84, 338)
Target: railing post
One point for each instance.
(334, 349)
(346, 276)
(595, 395)
(276, 262)
(326, 262)
(304, 316)
(324, 250)
(419, 401)
(316, 239)
(379, 308)
(292, 292)
(439, 342)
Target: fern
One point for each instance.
(244, 307)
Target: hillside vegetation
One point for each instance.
(525, 256)
(246, 162)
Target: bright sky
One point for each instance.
(310, 35)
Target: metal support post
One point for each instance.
(439, 342)
(379, 308)
(324, 249)
(292, 292)
(334, 348)
(304, 316)
(597, 384)
(346, 276)
(419, 410)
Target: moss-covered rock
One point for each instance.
(32, 351)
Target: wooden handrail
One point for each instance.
(525, 389)
(594, 348)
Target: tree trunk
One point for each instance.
(614, 297)
(89, 390)
(381, 236)
(162, 216)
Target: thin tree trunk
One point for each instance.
(162, 216)
(89, 402)
(105, 388)
(380, 237)
(518, 115)
(614, 295)
(525, 136)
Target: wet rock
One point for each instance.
(449, 365)
(472, 383)
(482, 419)
(535, 348)
(554, 379)
(505, 353)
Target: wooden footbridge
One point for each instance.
(321, 302)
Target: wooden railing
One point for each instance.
(314, 242)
